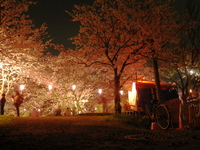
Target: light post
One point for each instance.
(191, 72)
(101, 108)
(99, 91)
(21, 87)
(121, 92)
(38, 112)
(50, 87)
(73, 87)
(75, 100)
(122, 100)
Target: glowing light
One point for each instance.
(190, 90)
(121, 92)
(50, 87)
(100, 91)
(73, 87)
(22, 87)
(132, 95)
(3, 79)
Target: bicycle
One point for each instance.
(190, 114)
(160, 115)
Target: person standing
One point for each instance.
(17, 101)
(67, 112)
(2, 103)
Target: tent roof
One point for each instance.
(150, 84)
(144, 84)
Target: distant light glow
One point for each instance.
(50, 87)
(22, 87)
(100, 91)
(73, 87)
(3, 79)
(121, 92)
(132, 95)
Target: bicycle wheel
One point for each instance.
(162, 116)
(190, 115)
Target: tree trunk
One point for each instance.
(157, 81)
(116, 93)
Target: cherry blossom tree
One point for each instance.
(184, 70)
(65, 73)
(21, 48)
(21, 44)
(121, 34)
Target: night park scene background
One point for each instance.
(100, 74)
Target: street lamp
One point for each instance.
(100, 91)
(21, 87)
(191, 72)
(75, 100)
(121, 92)
(50, 87)
(73, 87)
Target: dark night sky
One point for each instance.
(52, 12)
(60, 28)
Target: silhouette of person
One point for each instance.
(17, 102)
(67, 112)
(2, 103)
(58, 112)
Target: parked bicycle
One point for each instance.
(190, 113)
(159, 115)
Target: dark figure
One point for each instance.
(58, 112)
(67, 112)
(2, 103)
(17, 101)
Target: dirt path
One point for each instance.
(89, 133)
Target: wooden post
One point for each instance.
(157, 80)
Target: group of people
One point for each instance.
(17, 102)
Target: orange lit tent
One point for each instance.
(142, 92)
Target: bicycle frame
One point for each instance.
(160, 115)
(152, 114)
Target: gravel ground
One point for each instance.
(90, 133)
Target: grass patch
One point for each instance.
(136, 121)
(4, 119)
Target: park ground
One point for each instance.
(90, 133)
